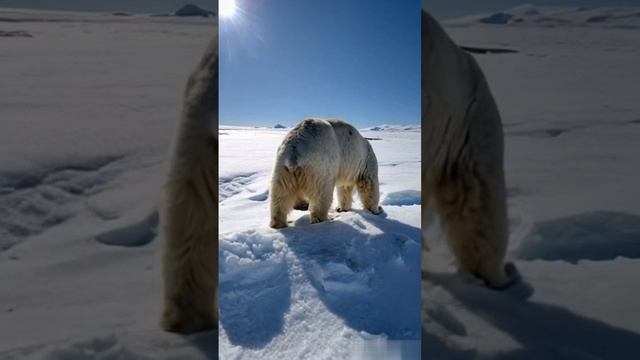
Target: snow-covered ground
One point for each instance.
(342, 289)
(571, 111)
(88, 106)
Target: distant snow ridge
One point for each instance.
(551, 16)
(386, 127)
(497, 18)
(193, 10)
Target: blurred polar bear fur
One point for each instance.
(316, 156)
(190, 218)
(462, 154)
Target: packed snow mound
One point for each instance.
(552, 16)
(386, 127)
(193, 10)
(354, 264)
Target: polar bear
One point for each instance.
(462, 154)
(316, 156)
(190, 213)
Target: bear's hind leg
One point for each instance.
(191, 299)
(320, 200)
(282, 201)
(475, 218)
(369, 194)
(191, 255)
(345, 198)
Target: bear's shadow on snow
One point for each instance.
(253, 304)
(367, 273)
(206, 342)
(598, 235)
(544, 331)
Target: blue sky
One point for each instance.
(284, 60)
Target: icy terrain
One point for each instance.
(569, 100)
(88, 104)
(324, 291)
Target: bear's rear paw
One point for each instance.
(277, 224)
(174, 320)
(512, 273)
(318, 219)
(376, 211)
(510, 277)
(341, 209)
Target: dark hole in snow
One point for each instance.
(598, 19)
(598, 235)
(17, 33)
(488, 50)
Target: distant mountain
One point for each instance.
(553, 16)
(279, 126)
(193, 10)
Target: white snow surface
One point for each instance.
(333, 290)
(571, 114)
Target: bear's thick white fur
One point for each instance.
(462, 155)
(316, 156)
(190, 216)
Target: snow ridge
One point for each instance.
(554, 16)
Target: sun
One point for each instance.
(227, 8)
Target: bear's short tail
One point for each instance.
(291, 157)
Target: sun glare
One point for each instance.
(227, 8)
